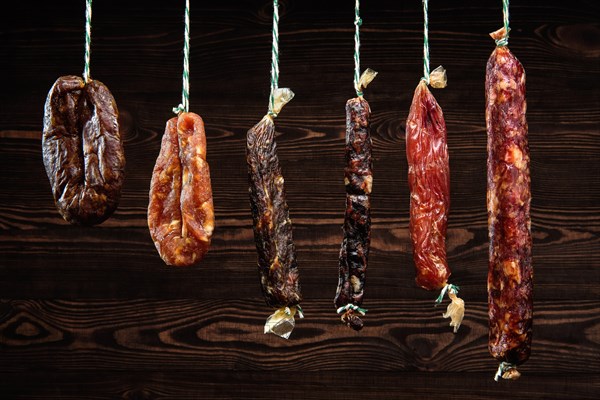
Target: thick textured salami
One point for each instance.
(429, 183)
(83, 150)
(510, 276)
(180, 213)
(354, 252)
(272, 225)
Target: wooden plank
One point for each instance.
(94, 313)
(200, 335)
(300, 385)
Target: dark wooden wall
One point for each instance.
(93, 313)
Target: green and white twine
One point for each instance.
(352, 307)
(502, 368)
(426, 41)
(88, 40)
(185, 94)
(274, 59)
(448, 287)
(504, 40)
(357, 24)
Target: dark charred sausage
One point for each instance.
(83, 150)
(277, 264)
(354, 252)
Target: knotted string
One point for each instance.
(504, 40)
(185, 94)
(88, 40)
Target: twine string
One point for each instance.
(352, 307)
(88, 40)
(357, 24)
(185, 93)
(274, 59)
(426, 41)
(505, 16)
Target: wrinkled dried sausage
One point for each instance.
(83, 150)
(354, 252)
(277, 264)
(429, 183)
(180, 214)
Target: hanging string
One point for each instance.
(185, 94)
(426, 41)
(503, 41)
(357, 24)
(274, 58)
(88, 40)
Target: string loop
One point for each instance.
(185, 94)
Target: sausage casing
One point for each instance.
(510, 275)
(277, 264)
(83, 150)
(358, 179)
(180, 214)
(429, 183)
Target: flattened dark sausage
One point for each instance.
(83, 150)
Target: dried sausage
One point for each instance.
(354, 252)
(429, 183)
(180, 214)
(83, 150)
(510, 276)
(277, 264)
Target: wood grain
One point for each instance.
(93, 312)
(299, 385)
(227, 335)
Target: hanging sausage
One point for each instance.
(358, 180)
(277, 264)
(82, 146)
(180, 212)
(510, 274)
(429, 183)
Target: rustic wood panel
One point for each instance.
(93, 313)
(227, 334)
(300, 385)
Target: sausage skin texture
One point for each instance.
(429, 183)
(510, 274)
(271, 218)
(180, 214)
(358, 179)
(83, 150)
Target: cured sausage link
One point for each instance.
(271, 218)
(180, 213)
(354, 252)
(510, 275)
(429, 183)
(83, 150)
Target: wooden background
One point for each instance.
(93, 313)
